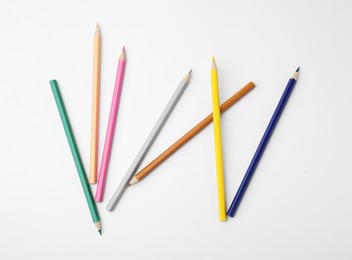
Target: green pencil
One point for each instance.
(75, 154)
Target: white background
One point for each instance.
(298, 205)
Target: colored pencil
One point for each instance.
(190, 134)
(75, 153)
(217, 139)
(262, 145)
(94, 140)
(149, 142)
(111, 127)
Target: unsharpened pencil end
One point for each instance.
(52, 81)
(53, 84)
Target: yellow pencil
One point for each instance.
(95, 108)
(217, 138)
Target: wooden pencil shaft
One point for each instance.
(218, 142)
(262, 145)
(95, 109)
(74, 150)
(193, 132)
(147, 144)
(110, 131)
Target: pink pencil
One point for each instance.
(111, 127)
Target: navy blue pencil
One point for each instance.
(263, 143)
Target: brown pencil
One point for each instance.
(190, 134)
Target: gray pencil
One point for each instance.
(149, 142)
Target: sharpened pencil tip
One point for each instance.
(190, 72)
(295, 74)
(123, 54)
(213, 64)
(97, 31)
(186, 78)
(100, 232)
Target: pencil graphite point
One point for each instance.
(123, 49)
(100, 232)
(213, 60)
(297, 69)
(190, 71)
